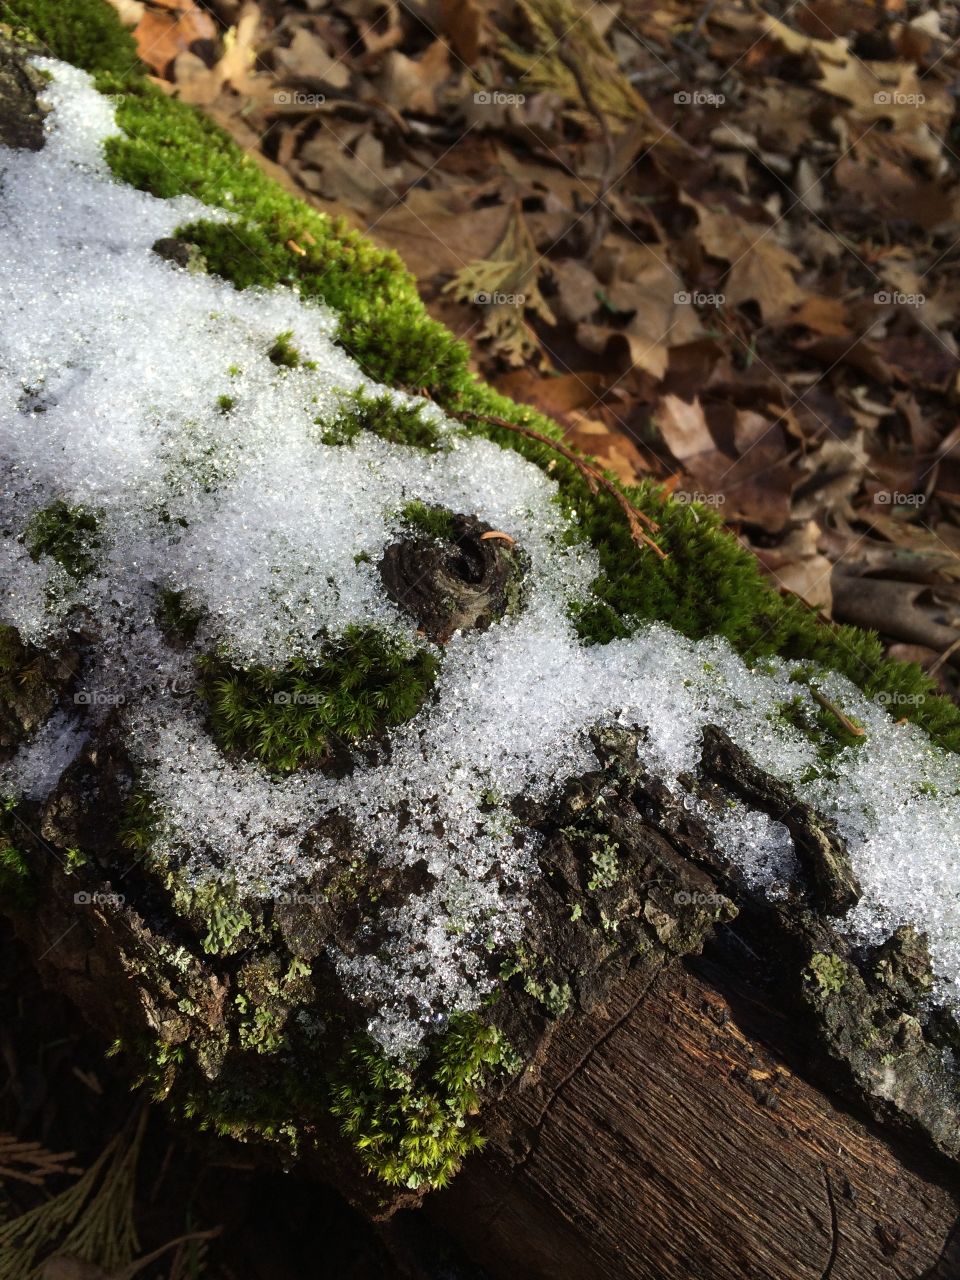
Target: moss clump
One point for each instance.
(84, 32)
(15, 878)
(68, 535)
(300, 715)
(283, 353)
(435, 522)
(383, 417)
(411, 1127)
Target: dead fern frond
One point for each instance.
(507, 286)
(31, 1161)
(562, 37)
(91, 1220)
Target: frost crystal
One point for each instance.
(113, 367)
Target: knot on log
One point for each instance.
(467, 578)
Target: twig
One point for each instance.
(947, 654)
(594, 477)
(138, 1264)
(834, 710)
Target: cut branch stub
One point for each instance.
(455, 582)
(820, 849)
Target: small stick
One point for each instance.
(834, 710)
(593, 476)
(948, 653)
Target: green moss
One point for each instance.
(225, 403)
(84, 32)
(139, 822)
(298, 715)
(15, 877)
(412, 1127)
(383, 417)
(435, 522)
(283, 353)
(68, 535)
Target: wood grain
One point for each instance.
(665, 1140)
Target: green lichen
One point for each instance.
(556, 997)
(69, 535)
(15, 876)
(829, 972)
(605, 863)
(412, 1126)
(300, 715)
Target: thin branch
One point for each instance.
(947, 654)
(596, 480)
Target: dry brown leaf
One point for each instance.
(797, 565)
(615, 450)
(557, 397)
(683, 427)
(823, 315)
(171, 27)
(462, 22)
(577, 289)
(412, 84)
(639, 279)
(436, 236)
(307, 60)
(761, 269)
(876, 90)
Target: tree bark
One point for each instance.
(671, 1135)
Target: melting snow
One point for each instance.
(111, 365)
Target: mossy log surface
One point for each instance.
(643, 1120)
